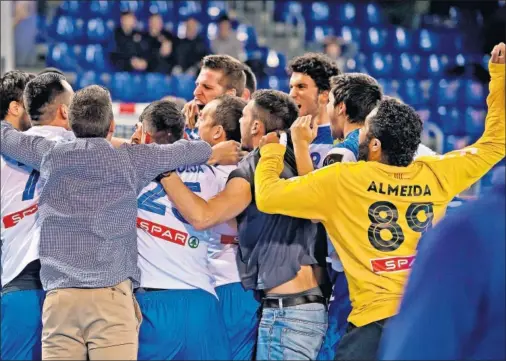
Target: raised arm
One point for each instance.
(459, 169)
(150, 160)
(27, 149)
(225, 206)
(302, 197)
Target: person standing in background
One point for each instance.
(191, 48)
(162, 45)
(130, 46)
(226, 41)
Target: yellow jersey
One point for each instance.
(375, 213)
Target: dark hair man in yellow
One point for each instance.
(376, 211)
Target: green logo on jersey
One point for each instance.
(193, 242)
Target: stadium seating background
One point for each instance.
(410, 64)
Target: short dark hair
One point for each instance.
(164, 116)
(275, 109)
(233, 71)
(359, 92)
(51, 70)
(90, 112)
(251, 79)
(399, 127)
(228, 112)
(318, 67)
(12, 85)
(40, 93)
(222, 18)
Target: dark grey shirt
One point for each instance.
(272, 248)
(88, 202)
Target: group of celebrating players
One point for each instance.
(253, 224)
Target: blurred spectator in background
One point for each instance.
(340, 51)
(25, 32)
(226, 41)
(408, 14)
(130, 46)
(162, 45)
(191, 49)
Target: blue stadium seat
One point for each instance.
(429, 41)
(164, 8)
(450, 120)
(192, 8)
(275, 82)
(103, 8)
(128, 87)
(159, 86)
(100, 30)
(407, 65)
(401, 40)
(433, 66)
(85, 79)
(74, 8)
(409, 92)
(275, 63)
(376, 39)
(318, 33)
(380, 65)
(426, 91)
(65, 28)
(284, 10)
(370, 14)
(248, 36)
(345, 13)
(214, 9)
(185, 85)
(474, 93)
(320, 12)
(61, 56)
(349, 33)
(449, 91)
(135, 6)
(94, 58)
(390, 87)
(475, 120)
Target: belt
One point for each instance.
(145, 289)
(292, 301)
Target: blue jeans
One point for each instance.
(291, 333)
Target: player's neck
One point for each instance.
(322, 118)
(350, 127)
(15, 122)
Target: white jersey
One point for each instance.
(224, 243)
(19, 198)
(321, 145)
(172, 254)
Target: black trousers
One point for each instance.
(361, 343)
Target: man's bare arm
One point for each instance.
(225, 206)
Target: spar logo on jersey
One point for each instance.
(12, 219)
(392, 264)
(163, 232)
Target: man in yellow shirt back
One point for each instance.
(376, 211)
